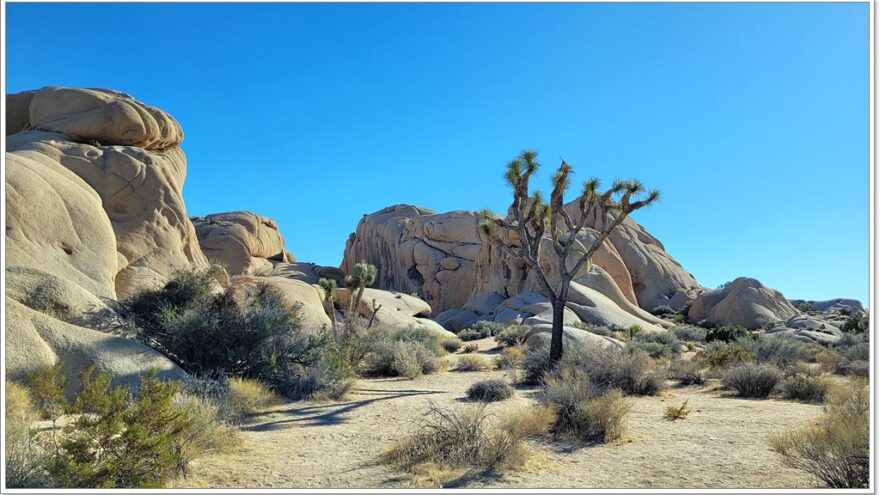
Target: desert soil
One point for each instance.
(721, 444)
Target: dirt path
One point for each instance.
(722, 444)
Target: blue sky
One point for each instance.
(751, 118)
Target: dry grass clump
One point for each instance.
(510, 358)
(584, 412)
(752, 380)
(718, 354)
(472, 363)
(248, 396)
(686, 372)
(835, 449)
(408, 358)
(490, 391)
(468, 439)
(512, 335)
(680, 412)
(25, 454)
(469, 348)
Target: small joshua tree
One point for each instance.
(530, 219)
(363, 277)
(329, 286)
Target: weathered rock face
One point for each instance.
(89, 221)
(444, 259)
(839, 304)
(395, 310)
(417, 251)
(137, 171)
(241, 241)
(745, 302)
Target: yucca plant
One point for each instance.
(329, 286)
(363, 277)
(530, 218)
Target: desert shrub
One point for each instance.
(679, 318)
(853, 368)
(249, 396)
(634, 373)
(654, 349)
(468, 334)
(690, 333)
(805, 307)
(26, 455)
(836, 450)
(490, 391)
(430, 340)
(206, 430)
(718, 354)
(657, 344)
(488, 328)
(596, 329)
(680, 412)
(662, 310)
(805, 388)
(46, 388)
(584, 411)
(856, 323)
(400, 358)
(535, 363)
(512, 335)
(510, 358)
(726, 333)
(778, 350)
(472, 362)
(126, 440)
(451, 345)
(860, 351)
(470, 348)
(752, 380)
(252, 333)
(686, 372)
(467, 439)
(827, 358)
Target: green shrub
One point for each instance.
(433, 341)
(535, 363)
(124, 440)
(512, 335)
(472, 362)
(253, 332)
(752, 380)
(468, 334)
(778, 350)
(47, 391)
(584, 412)
(805, 388)
(657, 344)
(654, 349)
(686, 372)
(719, 354)
(469, 348)
(856, 323)
(488, 328)
(726, 333)
(596, 329)
(837, 449)
(634, 373)
(490, 391)
(854, 368)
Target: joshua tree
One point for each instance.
(530, 219)
(329, 286)
(364, 276)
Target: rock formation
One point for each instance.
(241, 241)
(744, 302)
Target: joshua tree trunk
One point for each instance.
(556, 334)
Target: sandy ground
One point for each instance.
(721, 444)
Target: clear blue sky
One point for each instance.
(751, 118)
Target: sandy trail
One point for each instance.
(722, 443)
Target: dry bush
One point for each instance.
(472, 362)
(207, 432)
(407, 358)
(512, 335)
(805, 388)
(469, 348)
(680, 412)
(510, 358)
(752, 380)
(249, 397)
(490, 391)
(686, 372)
(633, 372)
(451, 345)
(719, 354)
(584, 411)
(467, 439)
(836, 449)
(25, 454)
